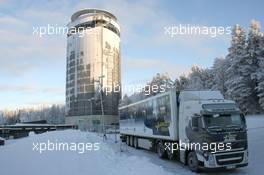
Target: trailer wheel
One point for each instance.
(127, 140)
(193, 162)
(131, 141)
(161, 150)
(136, 142)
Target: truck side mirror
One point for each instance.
(195, 123)
(243, 118)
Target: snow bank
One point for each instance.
(18, 157)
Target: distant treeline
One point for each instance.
(54, 114)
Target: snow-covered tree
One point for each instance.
(195, 78)
(237, 83)
(207, 78)
(219, 74)
(125, 100)
(260, 71)
(159, 83)
(2, 119)
(182, 82)
(162, 81)
(200, 79)
(250, 66)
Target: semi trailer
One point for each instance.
(199, 128)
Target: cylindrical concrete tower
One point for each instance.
(93, 58)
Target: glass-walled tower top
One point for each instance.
(93, 51)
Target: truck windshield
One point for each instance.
(223, 120)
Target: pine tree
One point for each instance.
(182, 82)
(237, 87)
(250, 66)
(207, 78)
(219, 75)
(260, 71)
(161, 81)
(196, 79)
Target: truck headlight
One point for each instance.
(211, 160)
(206, 155)
(209, 157)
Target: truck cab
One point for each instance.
(213, 129)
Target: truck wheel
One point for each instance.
(161, 150)
(193, 162)
(170, 153)
(136, 142)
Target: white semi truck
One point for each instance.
(199, 128)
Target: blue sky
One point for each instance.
(32, 69)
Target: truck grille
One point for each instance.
(227, 159)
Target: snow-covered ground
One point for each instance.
(17, 156)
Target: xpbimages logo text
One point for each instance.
(58, 30)
(192, 30)
(79, 147)
(209, 147)
(136, 88)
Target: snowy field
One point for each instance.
(18, 158)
